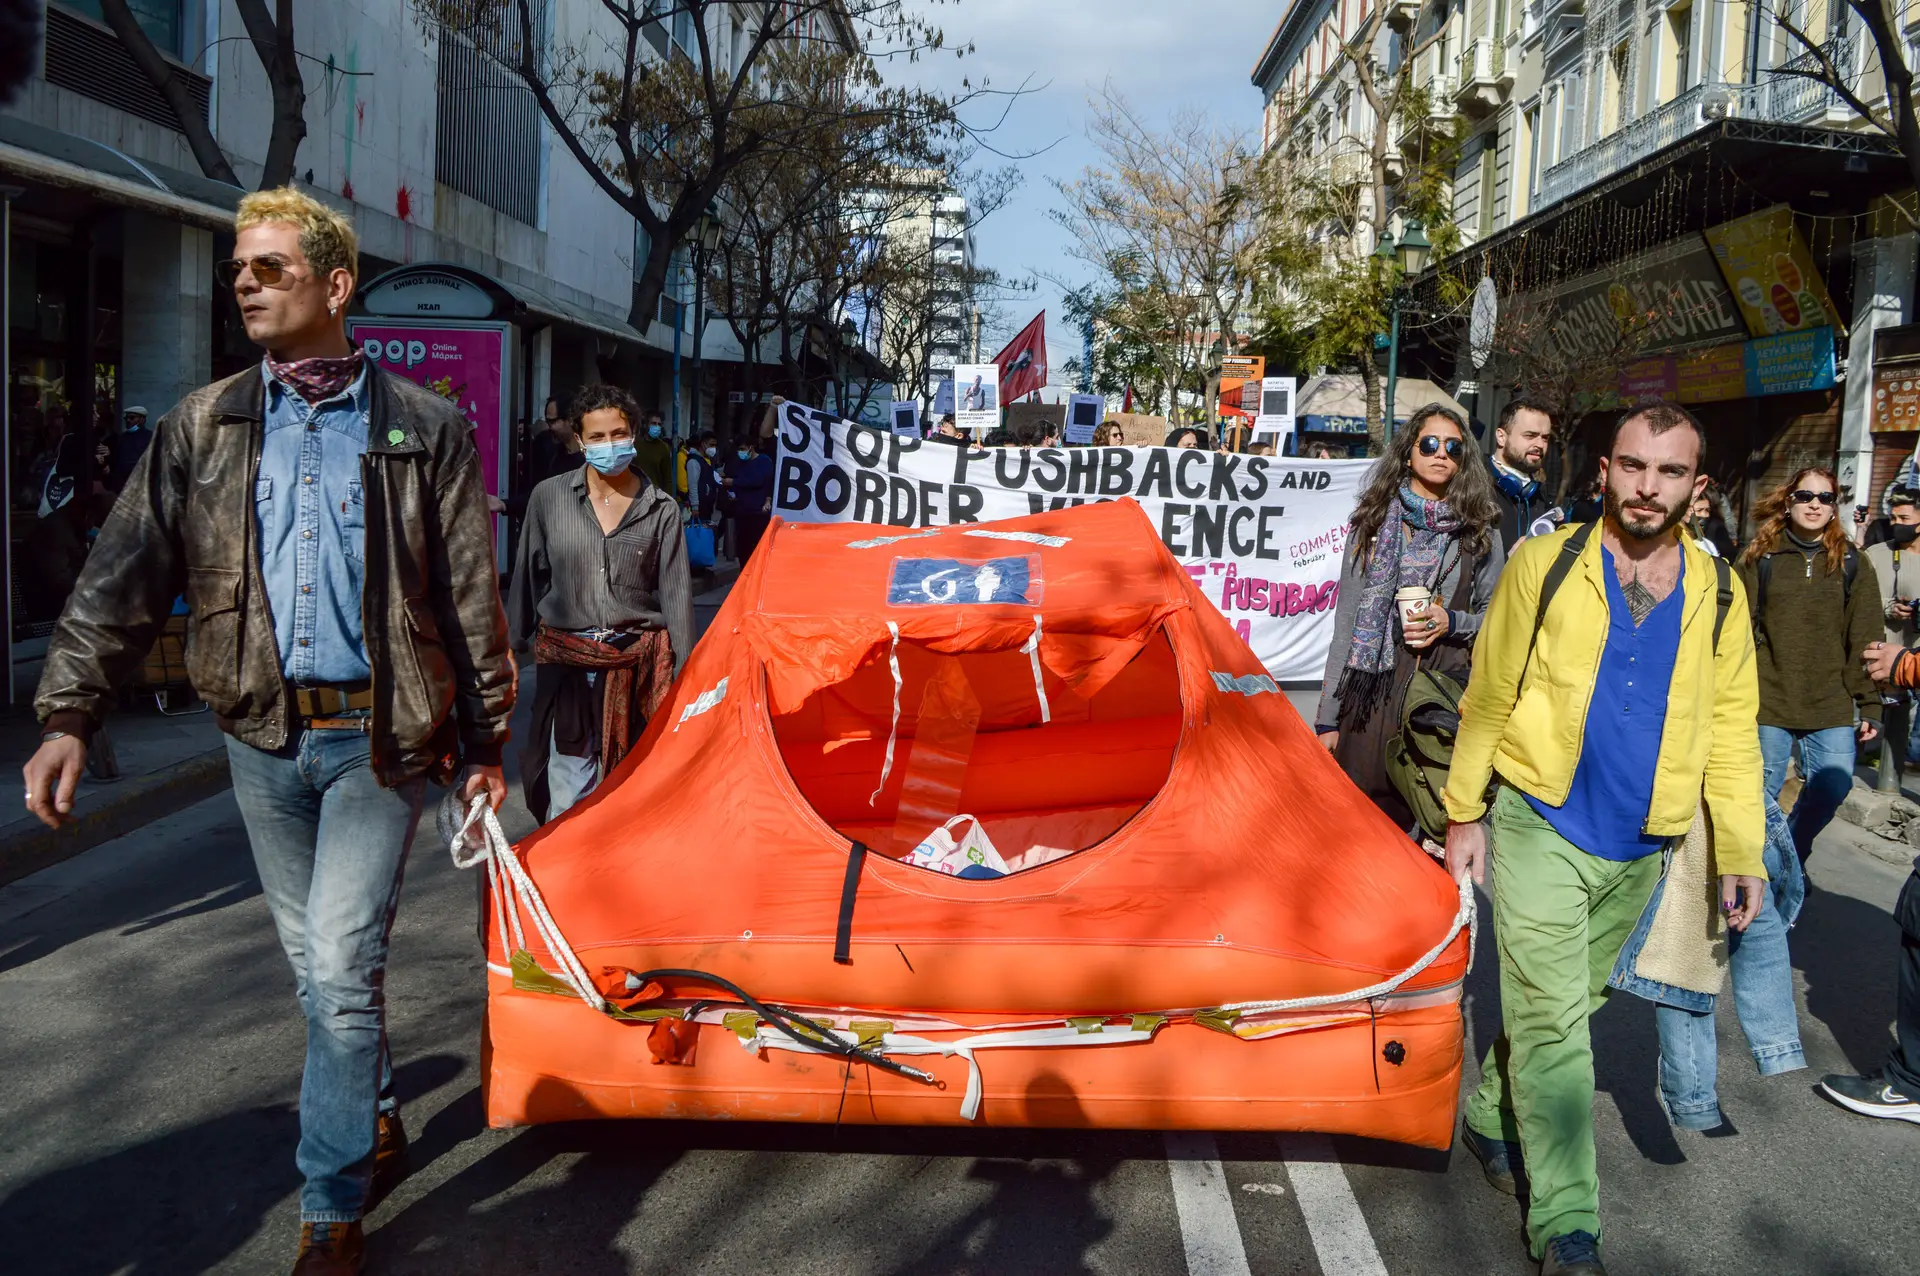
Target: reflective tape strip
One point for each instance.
(704, 701)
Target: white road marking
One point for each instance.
(1334, 1221)
(1208, 1228)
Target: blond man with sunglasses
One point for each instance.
(328, 525)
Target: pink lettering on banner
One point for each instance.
(1276, 598)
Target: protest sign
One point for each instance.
(906, 418)
(1275, 419)
(977, 396)
(1261, 536)
(1083, 416)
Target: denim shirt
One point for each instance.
(312, 520)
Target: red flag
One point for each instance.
(1127, 406)
(1023, 364)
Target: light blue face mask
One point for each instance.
(610, 458)
(653, 431)
(743, 454)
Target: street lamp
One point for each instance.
(706, 242)
(1410, 254)
(849, 338)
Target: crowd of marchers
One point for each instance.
(1626, 691)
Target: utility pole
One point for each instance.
(976, 336)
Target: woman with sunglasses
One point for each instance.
(1816, 606)
(1427, 519)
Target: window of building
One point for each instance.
(1489, 178)
(489, 143)
(1530, 141)
(1569, 119)
(1680, 29)
(162, 20)
(1619, 87)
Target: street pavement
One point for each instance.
(151, 1053)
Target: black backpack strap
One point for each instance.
(1723, 597)
(1570, 550)
(1851, 570)
(843, 931)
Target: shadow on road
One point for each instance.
(172, 883)
(182, 1202)
(1846, 948)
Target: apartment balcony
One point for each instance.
(1484, 78)
(1777, 99)
(1402, 14)
(1349, 166)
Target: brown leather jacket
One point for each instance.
(436, 634)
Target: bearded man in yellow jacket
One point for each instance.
(1591, 731)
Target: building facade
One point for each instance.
(1631, 175)
(439, 157)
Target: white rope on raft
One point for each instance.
(893, 729)
(1032, 649)
(1466, 918)
(513, 890)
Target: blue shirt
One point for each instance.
(313, 532)
(1605, 813)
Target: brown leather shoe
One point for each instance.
(330, 1249)
(389, 1159)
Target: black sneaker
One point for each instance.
(1574, 1254)
(1873, 1096)
(1499, 1158)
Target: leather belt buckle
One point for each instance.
(363, 724)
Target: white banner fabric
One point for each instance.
(1262, 536)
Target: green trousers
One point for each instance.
(1560, 918)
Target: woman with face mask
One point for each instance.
(603, 599)
(747, 495)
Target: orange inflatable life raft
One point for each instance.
(995, 823)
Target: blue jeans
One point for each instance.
(568, 778)
(1762, 996)
(330, 845)
(1826, 766)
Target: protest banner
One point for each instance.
(1261, 536)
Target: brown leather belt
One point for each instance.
(320, 703)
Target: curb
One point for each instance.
(27, 846)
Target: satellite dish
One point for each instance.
(1486, 313)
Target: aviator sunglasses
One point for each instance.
(1430, 445)
(1804, 497)
(269, 271)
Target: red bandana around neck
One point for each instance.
(317, 380)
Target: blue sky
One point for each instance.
(1161, 55)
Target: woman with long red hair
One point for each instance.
(1816, 606)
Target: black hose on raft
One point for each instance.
(824, 1038)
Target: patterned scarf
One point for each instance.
(1406, 551)
(638, 678)
(317, 380)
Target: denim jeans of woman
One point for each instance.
(1762, 979)
(330, 845)
(1826, 772)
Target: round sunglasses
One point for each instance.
(1804, 497)
(1431, 445)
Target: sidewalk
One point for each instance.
(166, 763)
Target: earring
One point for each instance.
(333, 312)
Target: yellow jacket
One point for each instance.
(1532, 734)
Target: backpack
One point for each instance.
(1418, 752)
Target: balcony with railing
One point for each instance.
(1484, 78)
(1776, 98)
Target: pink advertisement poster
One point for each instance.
(462, 365)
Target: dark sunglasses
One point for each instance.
(268, 271)
(1430, 445)
(1804, 497)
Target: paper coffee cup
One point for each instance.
(1412, 601)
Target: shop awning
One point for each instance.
(32, 153)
